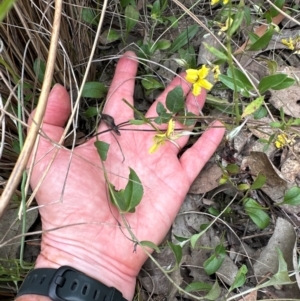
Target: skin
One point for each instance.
(74, 189)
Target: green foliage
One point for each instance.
(282, 275)
(150, 244)
(127, 199)
(131, 17)
(150, 84)
(39, 68)
(253, 106)
(275, 82)
(102, 149)
(240, 278)
(175, 100)
(238, 18)
(177, 251)
(291, 197)
(198, 287)
(263, 41)
(259, 182)
(5, 7)
(236, 81)
(213, 263)
(90, 16)
(257, 213)
(217, 53)
(184, 38)
(94, 90)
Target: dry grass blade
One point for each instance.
(20, 166)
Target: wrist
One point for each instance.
(96, 266)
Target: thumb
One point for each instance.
(57, 112)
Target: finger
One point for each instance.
(194, 159)
(194, 104)
(122, 87)
(57, 112)
(177, 81)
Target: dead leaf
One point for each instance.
(283, 238)
(276, 185)
(207, 180)
(287, 99)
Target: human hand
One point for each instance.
(74, 193)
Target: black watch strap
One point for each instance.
(67, 284)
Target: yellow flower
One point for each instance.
(160, 139)
(292, 44)
(289, 43)
(216, 71)
(282, 140)
(213, 2)
(227, 25)
(197, 78)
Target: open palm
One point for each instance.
(74, 193)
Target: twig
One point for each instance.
(20, 166)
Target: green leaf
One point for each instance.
(133, 191)
(124, 3)
(214, 293)
(243, 187)
(256, 213)
(213, 211)
(127, 199)
(184, 38)
(272, 66)
(150, 83)
(198, 286)
(282, 275)
(155, 11)
(263, 41)
(271, 81)
(234, 84)
(253, 106)
(260, 113)
(233, 168)
(137, 121)
(187, 58)
(213, 263)
(39, 68)
(5, 7)
(161, 45)
(94, 90)
(275, 124)
(217, 53)
(274, 12)
(240, 278)
(150, 244)
(177, 251)
(237, 21)
(284, 84)
(110, 35)
(163, 118)
(131, 17)
(292, 196)
(91, 112)
(160, 108)
(175, 100)
(239, 75)
(102, 149)
(259, 182)
(89, 16)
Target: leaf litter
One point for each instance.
(244, 242)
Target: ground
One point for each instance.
(233, 238)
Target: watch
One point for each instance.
(67, 284)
